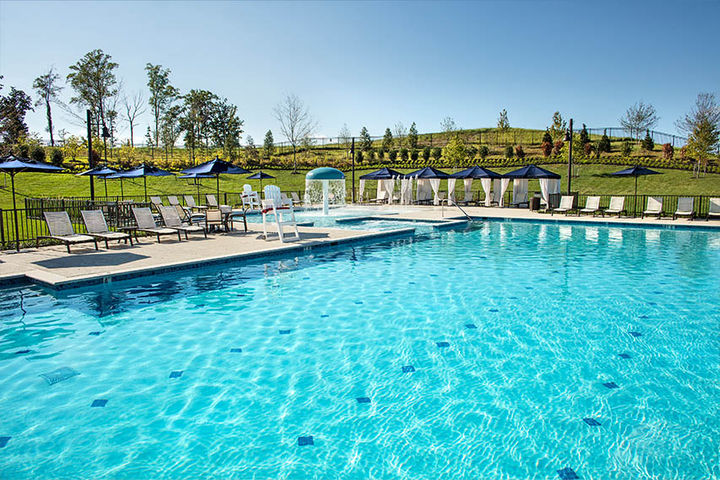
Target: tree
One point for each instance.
(509, 152)
(426, 153)
(387, 142)
(400, 133)
(454, 151)
(93, 79)
(225, 127)
(72, 147)
(268, 145)
(133, 107)
(47, 90)
(365, 140)
(170, 128)
(448, 125)
(626, 149)
(344, 136)
(503, 123)
(648, 144)
(604, 143)
(149, 142)
(436, 153)
(639, 117)
(296, 123)
(162, 94)
(483, 151)
(547, 137)
(558, 127)
(584, 136)
(198, 109)
(13, 108)
(413, 136)
(702, 125)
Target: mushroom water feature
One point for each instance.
(326, 184)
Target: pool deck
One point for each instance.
(53, 266)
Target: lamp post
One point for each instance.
(352, 156)
(91, 163)
(568, 138)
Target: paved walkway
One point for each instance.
(54, 266)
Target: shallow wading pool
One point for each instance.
(505, 350)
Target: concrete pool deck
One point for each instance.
(53, 266)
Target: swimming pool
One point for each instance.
(508, 350)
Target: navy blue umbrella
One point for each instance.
(216, 167)
(196, 178)
(428, 172)
(260, 176)
(143, 171)
(636, 171)
(13, 165)
(476, 172)
(382, 174)
(102, 172)
(531, 171)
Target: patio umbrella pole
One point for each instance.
(217, 180)
(635, 207)
(122, 192)
(105, 188)
(17, 234)
(145, 184)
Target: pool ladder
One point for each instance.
(448, 201)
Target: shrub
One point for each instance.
(547, 148)
(359, 156)
(38, 154)
(393, 155)
(648, 144)
(509, 152)
(588, 149)
(483, 151)
(380, 154)
(604, 144)
(519, 152)
(472, 152)
(56, 157)
(414, 154)
(626, 148)
(547, 138)
(403, 154)
(436, 153)
(426, 153)
(668, 151)
(557, 148)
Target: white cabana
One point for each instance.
(520, 191)
(468, 189)
(500, 187)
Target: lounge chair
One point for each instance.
(295, 198)
(617, 206)
(156, 202)
(566, 204)
(60, 228)
(212, 201)
(592, 205)
(146, 223)
(172, 220)
(654, 207)
(173, 200)
(191, 205)
(285, 199)
(96, 226)
(273, 204)
(685, 208)
(713, 209)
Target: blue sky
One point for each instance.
(378, 63)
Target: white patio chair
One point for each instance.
(592, 205)
(273, 204)
(617, 206)
(654, 207)
(685, 208)
(566, 204)
(713, 209)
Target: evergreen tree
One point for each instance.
(149, 142)
(412, 137)
(503, 123)
(268, 145)
(547, 138)
(426, 153)
(365, 140)
(387, 142)
(13, 108)
(604, 144)
(648, 144)
(584, 137)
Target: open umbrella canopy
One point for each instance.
(382, 174)
(197, 175)
(142, 171)
(215, 167)
(636, 171)
(12, 165)
(428, 172)
(260, 176)
(101, 171)
(475, 172)
(531, 171)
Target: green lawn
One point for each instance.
(590, 179)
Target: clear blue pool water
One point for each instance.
(512, 331)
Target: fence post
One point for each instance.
(2, 228)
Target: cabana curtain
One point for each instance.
(504, 182)
(468, 189)
(520, 190)
(435, 184)
(487, 188)
(451, 189)
(362, 188)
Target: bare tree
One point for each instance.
(47, 88)
(702, 126)
(400, 132)
(638, 118)
(448, 125)
(296, 123)
(134, 107)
